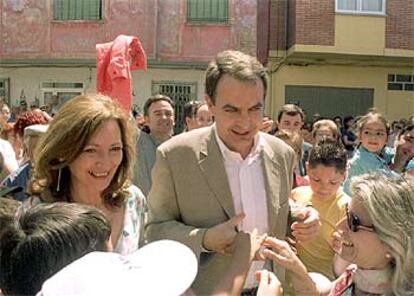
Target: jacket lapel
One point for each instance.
(272, 184)
(212, 165)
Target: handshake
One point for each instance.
(220, 238)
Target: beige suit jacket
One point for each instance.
(191, 193)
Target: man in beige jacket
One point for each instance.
(212, 182)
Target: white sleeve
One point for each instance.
(9, 156)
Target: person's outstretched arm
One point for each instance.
(245, 247)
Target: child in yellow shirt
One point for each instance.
(326, 170)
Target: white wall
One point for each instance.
(30, 79)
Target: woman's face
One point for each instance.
(96, 165)
(338, 122)
(362, 247)
(323, 132)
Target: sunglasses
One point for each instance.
(354, 223)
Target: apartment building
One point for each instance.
(341, 57)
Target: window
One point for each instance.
(401, 82)
(4, 89)
(64, 91)
(77, 10)
(207, 11)
(361, 6)
(180, 93)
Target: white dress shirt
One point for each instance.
(247, 186)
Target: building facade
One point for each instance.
(48, 46)
(342, 57)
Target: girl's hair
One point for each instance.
(46, 238)
(68, 134)
(329, 153)
(372, 115)
(390, 205)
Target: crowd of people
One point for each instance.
(97, 202)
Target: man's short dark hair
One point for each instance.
(291, 110)
(329, 153)
(236, 64)
(46, 238)
(191, 109)
(156, 98)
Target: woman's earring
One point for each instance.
(58, 180)
(388, 256)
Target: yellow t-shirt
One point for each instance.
(317, 254)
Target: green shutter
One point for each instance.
(77, 9)
(211, 11)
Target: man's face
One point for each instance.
(202, 118)
(238, 112)
(292, 123)
(5, 113)
(405, 144)
(160, 118)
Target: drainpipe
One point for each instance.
(156, 35)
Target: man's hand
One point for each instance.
(248, 243)
(221, 237)
(307, 226)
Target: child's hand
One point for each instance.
(308, 227)
(269, 284)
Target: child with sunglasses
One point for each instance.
(326, 169)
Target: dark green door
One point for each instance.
(330, 101)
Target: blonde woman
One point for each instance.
(325, 128)
(376, 236)
(86, 157)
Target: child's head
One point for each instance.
(8, 208)
(325, 128)
(46, 238)
(327, 167)
(293, 139)
(373, 129)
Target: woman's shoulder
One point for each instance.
(135, 196)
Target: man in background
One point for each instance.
(159, 118)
